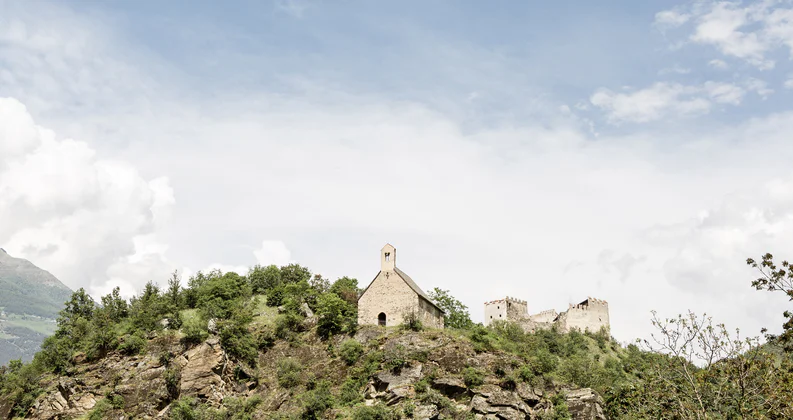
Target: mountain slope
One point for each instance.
(30, 299)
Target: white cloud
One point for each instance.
(663, 99)
(273, 252)
(789, 82)
(749, 31)
(69, 205)
(671, 18)
(676, 69)
(718, 64)
(759, 86)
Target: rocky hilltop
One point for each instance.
(30, 299)
(421, 375)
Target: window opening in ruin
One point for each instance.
(388, 256)
(381, 319)
(499, 315)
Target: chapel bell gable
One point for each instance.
(387, 258)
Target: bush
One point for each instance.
(132, 345)
(288, 372)
(237, 341)
(473, 377)
(287, 324)
(374, 412)
(195, 330)
(350, 351)
(266, 339)
(317, 401)
(184, 409)
(100, 410)
(351, 391)
(412, 322)
(334, 315)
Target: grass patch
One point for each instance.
(263, 315)
(43, 326)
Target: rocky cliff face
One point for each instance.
(428, 379)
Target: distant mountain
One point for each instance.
(30, 299)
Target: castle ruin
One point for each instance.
(589, 315)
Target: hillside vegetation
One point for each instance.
(30, 299)
(279, 343)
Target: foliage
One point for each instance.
(456, 313)
(776, 279)
(132, 344)
(473, 377)
(412, 322)
(317, 401)
(375, 412)
(350, 351)
(235, 337)
(347, 289)
(334, 316)
(289, 372)
(263, 279)
(218, 296)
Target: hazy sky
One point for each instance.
(633, 151)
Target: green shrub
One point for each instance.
(100, 410)
(412, 322)
(266, 339)
(133, 344)
(195, 330)
(287, 324)
(350, 351)
(421, 386)
(374, 412)
(409, 409)
(525, 374)
(334, 315)
(544, 362)
(237, 341)
(317, 401)
(288, 372)
(183, 409)
(396, 358)
(351, 391)
(239, 408)
(473, 377)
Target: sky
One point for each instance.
(636, 152)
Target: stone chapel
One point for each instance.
(393, 294)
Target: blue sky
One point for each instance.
(632, 151)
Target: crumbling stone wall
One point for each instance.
(591, 314)
(505, 309)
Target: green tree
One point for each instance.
(114, 306)
(263, 279)
(80, 306)
(334, 315)
(347, 289)
(145, 310)
(776, 279)
(456, 313)
(219, 295)
(294, 273)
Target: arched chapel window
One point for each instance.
(381, 319)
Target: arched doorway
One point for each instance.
(381, 319)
